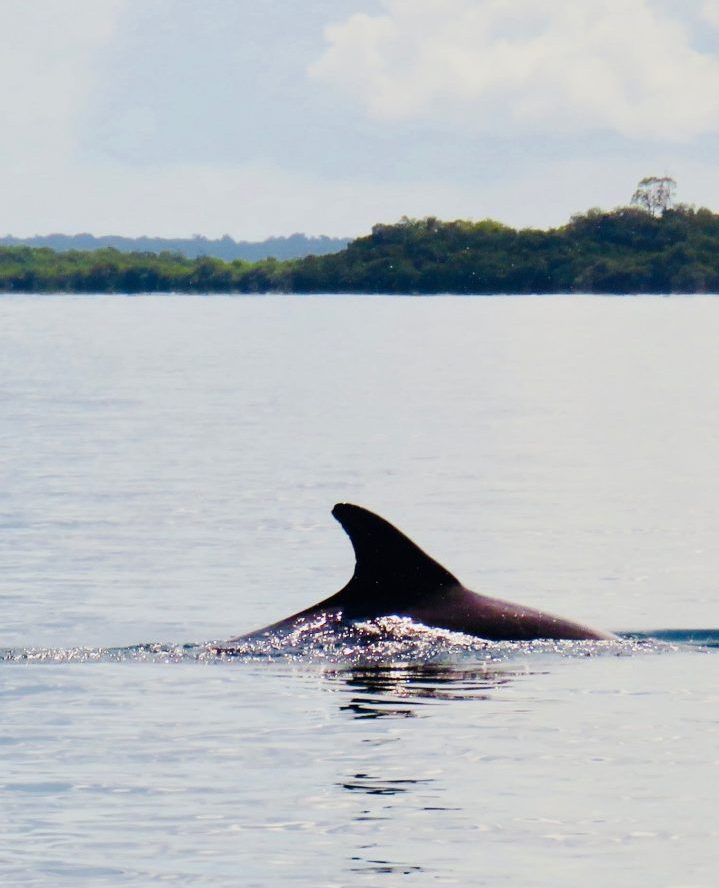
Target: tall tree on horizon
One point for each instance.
(655, 194)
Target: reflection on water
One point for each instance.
(373, 786)
(402, 691)
(389, 785)
(384, 867)
(370, 708)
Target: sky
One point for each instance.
(266, 117)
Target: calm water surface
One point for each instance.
(168, 469)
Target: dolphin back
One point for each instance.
(393, 575)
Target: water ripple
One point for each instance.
(394, 641)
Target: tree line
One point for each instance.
(627, 250)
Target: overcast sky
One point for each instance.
(261, 117)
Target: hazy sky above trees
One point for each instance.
(173, 117)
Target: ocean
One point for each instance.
(169, 465)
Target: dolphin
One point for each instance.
(393, 576)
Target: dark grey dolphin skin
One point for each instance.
(393, 576)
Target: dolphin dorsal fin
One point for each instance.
(390, 570)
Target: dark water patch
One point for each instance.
(702, 638)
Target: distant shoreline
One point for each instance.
(293, 246)
(623, 251)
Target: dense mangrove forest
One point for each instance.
(627, 250)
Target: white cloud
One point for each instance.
(710, 11)
(536, 65)
(47, 49)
